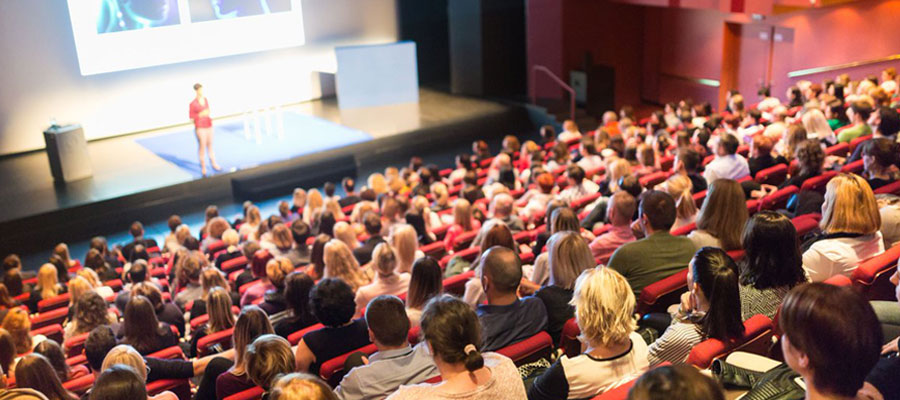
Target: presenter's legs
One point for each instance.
(209, 150)
(201, 149)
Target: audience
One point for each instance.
(340, 264)
(880, 160)
(142, 330)
(34, 371)
(569, 255)
(333, 304)
(679, 187)
(403, 239)
(57, 359)
(119, 382)
(675, 382)
(506, 319)
(386, 281)
(220, 317)
(425, 282)
(251, 324)
(18, 324)
(858, 114)
(298, 314)
(722, 217)
(276, 271)
(268, 357)
(128, 356)
(727, 164)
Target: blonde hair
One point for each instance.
(212, 278)
(344, 232)
(48, 281)
(18, 325)
(850, 206)
(268, 357)
(125, 354)
(78, 286)
(384, 259)
(816, 125)
(299, 385)
(277, 269)
(377, 183)
(568, 257)
(724, 213)
(360, 210)
(335, 208)
(679, 187)
(440, 193)
(253, 216)
(616, 169)
(462, 214)
(299, 198)
(404, 241)
(231, 237)
(218, 306)
(340, 263)
(281, 237)
(604, 305)
(91, 276)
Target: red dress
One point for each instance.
(196, 109)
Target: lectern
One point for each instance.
(68, 153)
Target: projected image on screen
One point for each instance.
(127, 15)
(210, 10)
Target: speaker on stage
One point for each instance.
(68, 153)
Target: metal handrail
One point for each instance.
(531, 87)
(830, 68)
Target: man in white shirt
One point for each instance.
(578, 186)
(727, 164)
(570, 131)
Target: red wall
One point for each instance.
(544, 35)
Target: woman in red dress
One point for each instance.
(203, 128)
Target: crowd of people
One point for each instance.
(420, 278)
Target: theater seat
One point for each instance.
(855, 142)
(75, 344)
(579, 203)
(891, 188)
(757, 339)
(54, 332)
(872, 277)
(215, 247)
(699, 197)
(414, 336)
(79, 385)
(529, 350)
(684, 230)
(169, 353)
(332, 371)
(434, 249)
(80, 359)
(221, 337)
(778, 199)
(666, 163)
(855, 167)
(254, 393)
(457, 284)
(772, 175)
(817, 184)
(840, 150)
(651, 180)
(737, 255)
(621, 392)
(295, 337)
(659, 295)
(180, 387)
(464, 240)
(568, 340)
(805, 224)
(56, 316)
(53, 302)
(199, 321)
(467, 254)
(234, 264)
(839, 280)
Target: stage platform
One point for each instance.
(150, 175)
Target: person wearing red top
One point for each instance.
(199, 113)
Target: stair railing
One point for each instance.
(532, 90)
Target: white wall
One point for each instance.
(40, 79)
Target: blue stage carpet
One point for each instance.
(302, 134)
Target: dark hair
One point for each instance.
(91, 311)
(54, 353)
(141, 327)
(174, 222)
(890, 121)
(575, 173)
(99, 342)
(630, 184)
(659, 207)
(552, 205)
(117, 382)
(62, 269)
(425, 282)
(13, 281)
(317, 254)
(690, 158)
(12, 261)
(564, 219)
(297, 286)
(415, 219)
(372, 223)
(449, 325)
(386, 318)
(258, 262)
(883, 150)
(136, 229)
(772, 257)
(191, 243)
(675, 382)
(810, 157)
(862, 108)
(717, 275)
(328, 188)
(34, 371)
(326, 223)
(268, 357)
(504, 269)
(764, 91)
(8, 351)
(837, 330)
(730, 142)
(332, 302)
(138, 271)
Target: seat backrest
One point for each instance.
(855, 167)
(684, 229)
(818, 183)
(434, 249)
(169, 353)
(53, 332)
(79, 385)
(197, 322)
(737, 255)
(457, 284)
(839, 280)
(757, 339)
(43, 319)
(234, 264)
(840, 150)
(529, 350)
(873, 276)
(75, 344)
(577, 204)
(890, 188)
(180, 387)
(699, 197)
(254, 393)
(414, 335)
(463, 240)
(804, 224)
(651, 180)
(568, 341)
(659, 295)
(295, 337)
(773, 175)
(208, 341)
(778, 199)
(54, 302)
(332, 371)
(855, 142)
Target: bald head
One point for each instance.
(502, 267)
(503, 205)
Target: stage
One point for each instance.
(150, 175)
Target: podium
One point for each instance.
(68, 153)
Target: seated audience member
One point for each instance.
(276, 272)
(727, 164)
(332, 303)
(124, 354)
(47, 287)
(300, 233)
(35, 372)
(463, 221)
(232, 251)
(171, 242)
(218, 306)
(280, 244)
(350, 195)
(810, 159)
(711, 309)
(142, 330)
(722, 216)
(452, 332)
(569, 255)
(268, 357)
(91, 311)
(265, 285)
(858, 113)
(616, 169)
(253, 219)
(6, 302)
(386, 281)
(166, 312)
(646, 161)
(425, 282)
(502, 209)
(659, 254)
(679, 187)
(761, 155)
(497, 235)
(850, 224)
(886, 122)
(817, 127)
(78, 286)
(879, 157)
(831, 338)
(210, 278)
(772, 265)
(54, 353)
(258, 260)
(189, 274)
(395, 363)
(563, 219)
(119, 382)
(535, 200)
(404, 240)
(94, 260)
(614, 353)
(214, 231)
(340, 264)
(619, 211)
(137, 234)
(344, 232)
(373, 226)
(687, 163)
(297, 315)
(578, 186)
(251, 324)
(300, 385)
(18, 324)
(506, 319)
(135, 275)
(570, 131)
(675, 382)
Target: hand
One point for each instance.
(687, 302)
(365, 360)
(890, 347)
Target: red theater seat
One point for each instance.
(757, 339)
(873, 276)
(295, 337)
(699, 197)
(434, 249)
(840, 150)
(839, 280)
(79, 385)
(804, 224)
(568, 341)
(778, 199)
(855, 142)
(737, 255)
(332, 371)
(197, 322)
(254, 393)
(666, 163)
(457, 284)
(818, 183)
(215, 247)
(56, 316)
(234, 264)
(180, 387)
(54, 332)
(583, 201)
(221, 337)
(621, 392)
(684, 230)
(80, 359)
(169, 353)
(464, 240)
(651, 180)
(75, 344)
(772, 175)
(529, 350)
(855, 167)
(891, 188)
(659, 295)
(53, 302)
